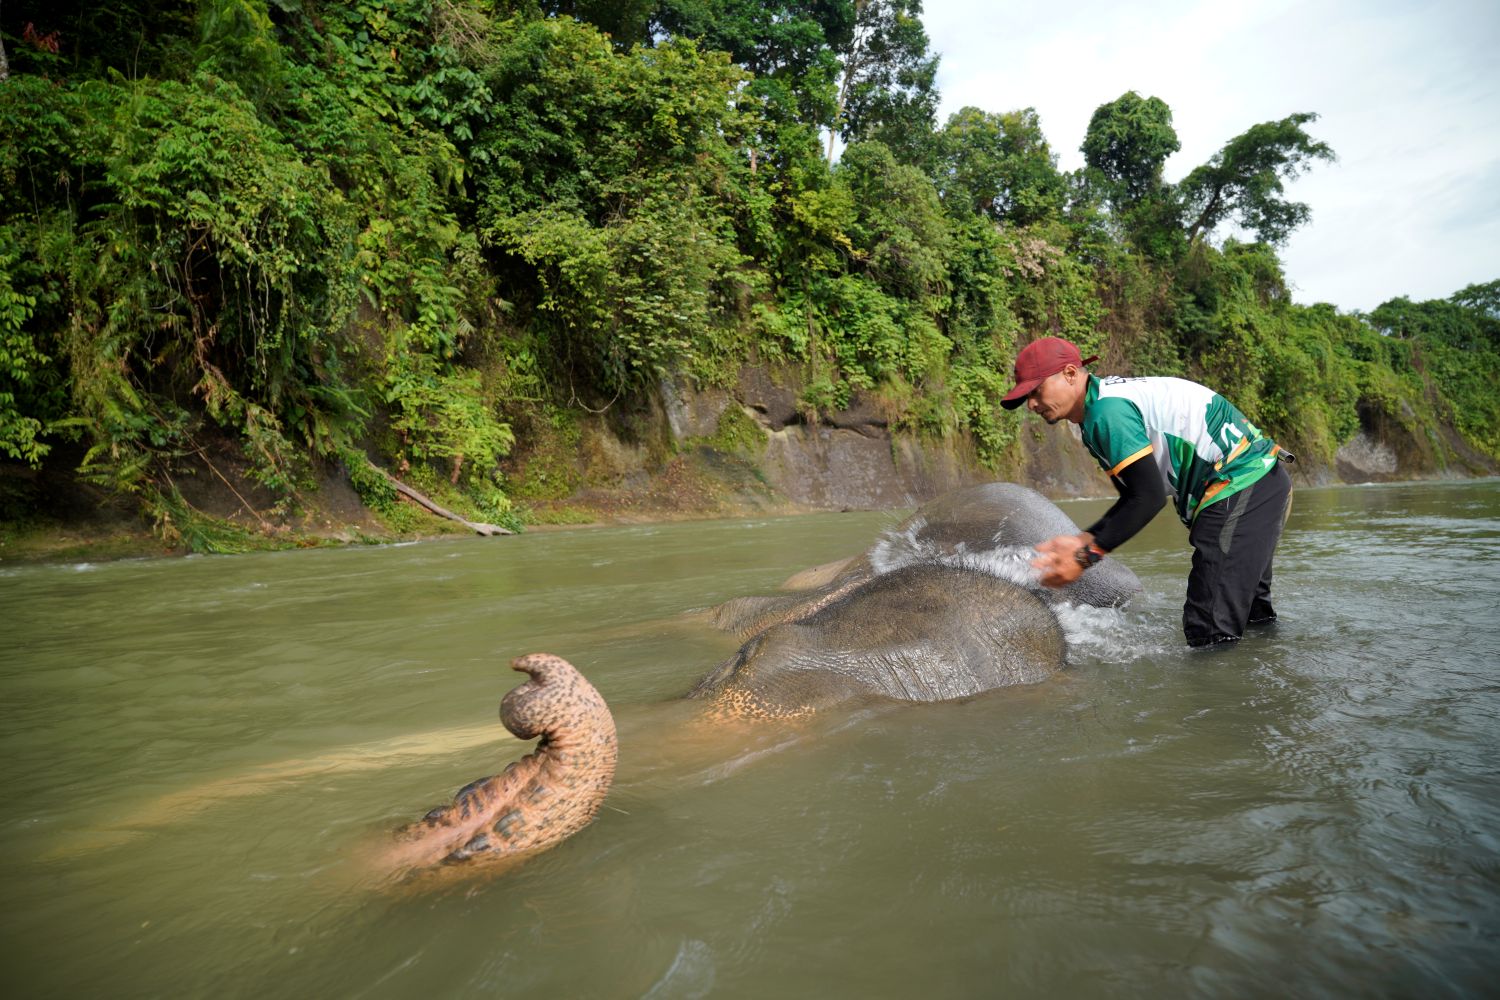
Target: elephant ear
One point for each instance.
(720, 675)
(748, 616)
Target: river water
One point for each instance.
(200, 753)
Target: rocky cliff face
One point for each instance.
(849, 459)
(755, 433)
(1404, 447)
(845, 460)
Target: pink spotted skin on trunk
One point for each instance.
(541, 799)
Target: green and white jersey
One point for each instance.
(1205, 448)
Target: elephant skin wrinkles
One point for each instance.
(924, 632)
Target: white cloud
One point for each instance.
(1409, 98)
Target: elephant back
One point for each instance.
(919, 633)
(993, 527)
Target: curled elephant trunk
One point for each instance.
(541, 799)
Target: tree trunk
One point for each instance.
(851, 67)
(1213, 203)
(4, 62)
(479, 527)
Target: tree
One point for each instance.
(1245, 180)
(1127, 142)
(999, 165)
(627, 22)
(886, 88)
(1483, 298)
(898, 230)
(1439, 321)
(769, 39)
(789, 46)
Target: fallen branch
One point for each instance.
(413, 495)
(264, 524)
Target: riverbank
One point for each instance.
(85, 525)
(71, 521)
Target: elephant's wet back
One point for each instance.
(992, 518)
(920, 633)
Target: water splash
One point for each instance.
(897, 548)
(1109, 635)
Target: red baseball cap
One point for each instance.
(1041, 359)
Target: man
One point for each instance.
(1160, 435)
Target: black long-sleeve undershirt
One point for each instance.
(1142, 494)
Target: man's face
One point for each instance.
(1053, 399)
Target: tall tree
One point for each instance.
(1246, 180)
(1127, 142)
(999, 165)
(1483, 298)
(790, 46)
(625, 21)
(886, 87)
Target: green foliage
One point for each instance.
(1050, 292)
(1451, 323)
(767, 38)
(887, 87)
(1244, 180)
(897, 231)
(443, 414)
(21, 362)
(551, 470)
(738, 433)
(448, 228)
(618, 244)
(999, 165)
(1127, 142)
(178, 523)
(1482, 298)
(179, 258)
(373, 486)
(1457, 343)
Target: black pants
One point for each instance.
(1233, 542)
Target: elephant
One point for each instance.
(922, 632)
(942, 607)
(990, 528)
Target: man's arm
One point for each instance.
(1142, 494)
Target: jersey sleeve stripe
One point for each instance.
(1140, 454)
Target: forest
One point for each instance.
(430, 236)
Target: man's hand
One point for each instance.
(1057, 559)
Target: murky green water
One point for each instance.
(198, 752)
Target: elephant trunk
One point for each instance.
(540, 800)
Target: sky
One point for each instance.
(1408, 96)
